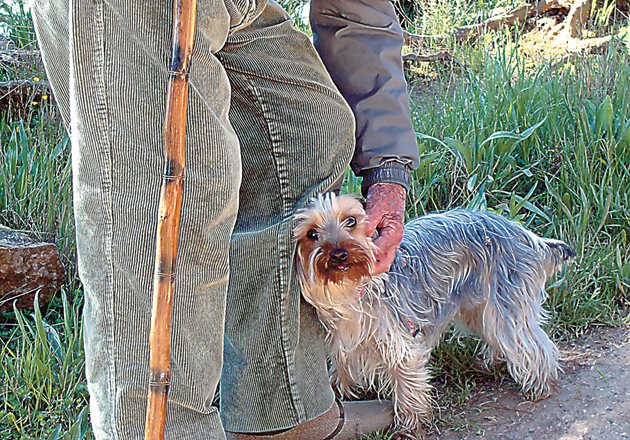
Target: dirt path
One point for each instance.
(592, 401)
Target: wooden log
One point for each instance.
(578, 16)
(411, 39)
(21, 87)
(506, 18)
(439, 56)
(510, 18)
(19, 56)
(20, 94)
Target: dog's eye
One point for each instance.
(351, 222)
(313, 234)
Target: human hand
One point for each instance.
(385, 209)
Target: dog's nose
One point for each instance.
(338, 255)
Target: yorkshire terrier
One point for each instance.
(474, 269)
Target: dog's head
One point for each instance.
(334, 255)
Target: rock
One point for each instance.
(26, 268)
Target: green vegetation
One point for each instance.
(539, 141)
(550, 148)
(43, 386)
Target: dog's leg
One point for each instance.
(409, 382)
(518, 335)
(470, 320)
(343, 381)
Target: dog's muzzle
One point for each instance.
(338, 259)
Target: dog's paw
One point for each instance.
(411, 425)
(408, 434)
(542, 392)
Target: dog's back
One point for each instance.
(463, 257)
(482, 232)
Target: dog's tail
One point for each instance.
(559, 252)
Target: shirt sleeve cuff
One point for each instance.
(389, 172)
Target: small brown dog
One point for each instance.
(471, 268)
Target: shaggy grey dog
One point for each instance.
(474, 269)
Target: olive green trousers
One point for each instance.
(267, 129)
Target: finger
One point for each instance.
(386, 247)
(372, 220)
(384, 260)
(390, 235)
(387, 220)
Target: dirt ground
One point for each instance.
(592, 401)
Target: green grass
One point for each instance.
(546, 145)
(550, 148)
(35, 174)
(43, 388)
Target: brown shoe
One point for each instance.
(343, 421)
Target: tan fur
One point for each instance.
(378, 339)
(329, 285)
(365, 348)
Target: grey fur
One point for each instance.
(458, 259)
(475, 269)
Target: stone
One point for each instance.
(27, 267)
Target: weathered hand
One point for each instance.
(385, 208)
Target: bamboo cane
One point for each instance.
(182, 38)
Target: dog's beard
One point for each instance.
(356, 268)
(325, 282)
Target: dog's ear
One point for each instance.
(358, 198)
(353, 196)
(300, 216)
(303, 219)
(299, 220)
(341, 198)
(351, 203)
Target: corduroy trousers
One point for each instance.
(267, 129)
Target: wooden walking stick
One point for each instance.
(184, 15)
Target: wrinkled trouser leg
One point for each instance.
(107, 63)
(297, 137)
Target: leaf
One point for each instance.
(24, 147)
(522, 200)
(519, 137)
(56, 434)
(624, 138)
(464, 152)
(604, 118)
(60, 148)
(53, 339)
(457, 147)
(555, 284)
(605, 211)
(561, 201)
(39, 323)
(500, 135)
(431, 138)
(527, 133)
(533, 208)
(79, 428)
(470, 185)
